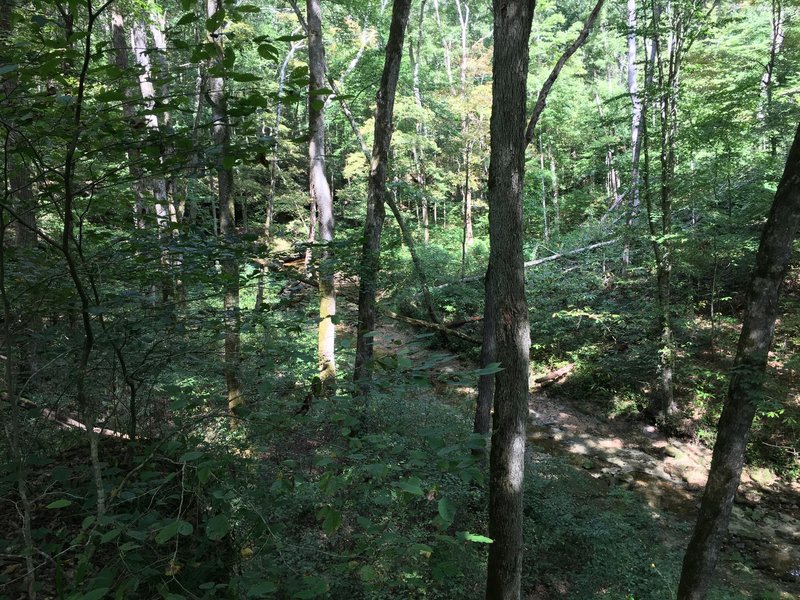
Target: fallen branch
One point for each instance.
(461, 322)
(554, 376)
(65, 421)
(532, 263)
(429, 325)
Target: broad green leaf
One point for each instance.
(261, 589)
(95, 594)
(447, 511)
(331, 519)
(412, 485)
(474, 537)
(172, 529)
(489, 369)
(217, 527)
(186, 19)
(315, 587)
(62, 503)
(110, 535)
(190, 456)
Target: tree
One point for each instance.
(320, 193)
(746, 383)
(221, 135)
(376, 195)
(486, 386)
(512, 26)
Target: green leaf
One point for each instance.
(213, 23)
(95, 594)
(489, 369)
(110, 535)
(331, 519)
(190, 456)
(244, 77)
(186, 19)
(290, 38)
(447, 511)
(63, 503)
(217, 527)
(412, 485)
(315, 587)
(8, 68)
(268, 51)
(172, 529)
(474, 537)
(368, 573)
(261, 589)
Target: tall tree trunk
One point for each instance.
(636, 128)
(489, 339)
(273, 174)
(545, 228)
(446, 47)
(414, 51)
(663, 404)
(512, 26)
(777, 22)
(376, 194)
(747, 379)
(159, 183)
(321, 195)
(119, 40)
(221, 136)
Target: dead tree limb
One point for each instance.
(532, 263)
(432, 326)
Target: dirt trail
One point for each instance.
(670, 474)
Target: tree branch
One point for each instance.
(541, 101)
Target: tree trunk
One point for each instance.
(747, 379)
(663, 403)
(767, 79)
(636, 128)
(512, 26)
(221, 136)
(320, 193)
(483, 408)
(376, 194)
(118, 38)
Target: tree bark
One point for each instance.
(320, 193)
(221, 135)
(122, 62)
(747, 379)
(376, 194)
(777, 36)
(512, 26)
(636, 129)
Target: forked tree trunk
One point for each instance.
(512, 26)
(221, 136)
(376, 195)
(321, 195)
(747, 379)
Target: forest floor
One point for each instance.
(761, 557)
(669, 474)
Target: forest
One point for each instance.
(363, 299)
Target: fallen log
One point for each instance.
(432, 326)
(554, 376)
(532, 263)
(65, 421)
(464, 321)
